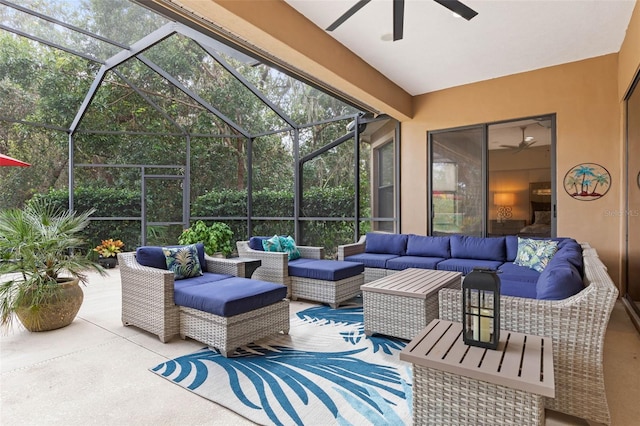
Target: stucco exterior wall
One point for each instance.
(583, 95)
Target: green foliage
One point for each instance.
(217, 237)
(106, 202)
(40, 242)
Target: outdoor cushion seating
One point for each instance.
(576, 323)
(383, 254)
(309, 277)
(217, 308)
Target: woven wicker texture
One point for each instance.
(577, 326)
(147, 298)
(275, 266)
(331, 292)
(147, 303)
(370, 274)
(442, 398)
(229, 333)
(405, 315)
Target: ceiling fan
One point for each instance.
(525, 143)
(398, 14)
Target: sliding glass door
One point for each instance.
(493, 179)
(456, 178)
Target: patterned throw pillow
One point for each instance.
(183, 261)
(288, 245)
(282, 245)
(535, 254)
(272, 244)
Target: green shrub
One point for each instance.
(217, 237)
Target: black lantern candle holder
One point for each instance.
(481, 308)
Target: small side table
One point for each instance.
(238, 266)
(458, 384)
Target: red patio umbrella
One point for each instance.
(5, 160)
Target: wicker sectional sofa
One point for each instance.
(219, 308)
(385, 254)
(577, 323)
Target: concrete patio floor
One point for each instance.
(95, 371)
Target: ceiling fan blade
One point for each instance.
(356, 7)
(458, 7)
(398, 19)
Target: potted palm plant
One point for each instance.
(40, 266)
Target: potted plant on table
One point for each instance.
(217, 237)
(40, 266)
(108, 250)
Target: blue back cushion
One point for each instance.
(418, 245)
(371, 260)
(467, 247)
(153, 256)
(386, 243)
(255, 243)
(559, 282)
(511, 244)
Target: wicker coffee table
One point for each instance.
(402, 304)
(458, 384)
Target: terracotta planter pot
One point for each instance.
(57, 311)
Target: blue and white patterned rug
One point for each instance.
(325, 371)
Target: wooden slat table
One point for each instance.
(402, 304)
(458, 384)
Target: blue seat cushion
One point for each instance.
(511, 271)
(327, 270)
(229, 297)
(255, 243)
(153, 256)
(205, 278)
(466, 265)
(403, 262)
(371, 260)
(418, 245)
(386, 243)
(510, 286)
(469, 247)
(559, 282)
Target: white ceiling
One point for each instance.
(506, 37)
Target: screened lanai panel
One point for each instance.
(300, 101)
(135, 149)
(117, 107)
(118, 23)
(40, 84)
(195, 69)
(173, 102)
(219, 177)
(273, 177)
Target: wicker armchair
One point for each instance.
(148, 303)
(577, 326)
(275, 266)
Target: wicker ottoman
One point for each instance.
(402, 304)
(325, 281)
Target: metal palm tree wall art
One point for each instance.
(587, 181)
